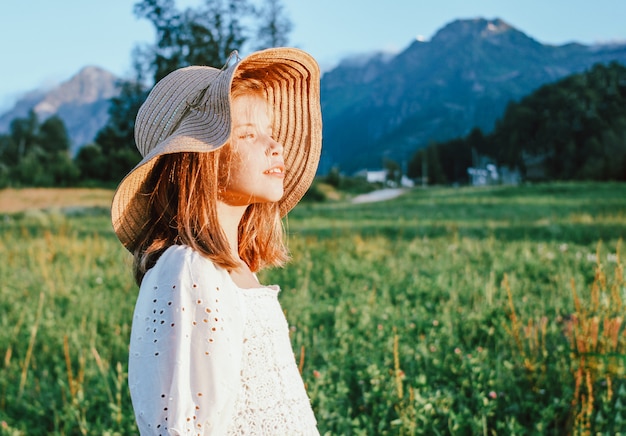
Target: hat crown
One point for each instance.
(178, 99)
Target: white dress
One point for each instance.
(210, 358)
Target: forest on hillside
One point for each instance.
(573, 129)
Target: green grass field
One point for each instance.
(467, 311)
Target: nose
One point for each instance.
(275, 148)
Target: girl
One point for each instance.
(226, 154)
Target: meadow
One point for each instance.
(446, 311)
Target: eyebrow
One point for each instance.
(237, 126)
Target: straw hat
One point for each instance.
(189, 111)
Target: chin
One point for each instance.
(275, 199)
(268, 198)
(276, 196)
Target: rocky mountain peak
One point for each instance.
(82, 103)
(89, 85)
(472, 29)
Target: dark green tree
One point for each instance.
(31, 170)
(116, 141)
(24, 133)
(37, 154)
(274, 26)
(53, 135)
(333, 178)
(394, 172)
(55, 145)
(6, 158)
(61, 169)
(203, 36)
(92, 164)
(426, 165)
(456, 156)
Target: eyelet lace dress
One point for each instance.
(210, 358)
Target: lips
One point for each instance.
(276, 170)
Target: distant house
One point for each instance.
(483, 176)
(373, 176)
(487, 173)
(381, 176)
(405, 182)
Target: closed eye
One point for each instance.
(247, 135)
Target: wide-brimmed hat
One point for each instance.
(189, 111)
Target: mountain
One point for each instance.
(382, 106)
(82, 103)
(385, 106)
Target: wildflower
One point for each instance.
(457, 350)
(433, 348)
(380, 326)
(479, 349)
(316, 373)
(493, 395)
(435, 322)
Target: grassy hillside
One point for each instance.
(444, 311)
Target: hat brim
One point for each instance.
(293, 94)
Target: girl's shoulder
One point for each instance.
(188, 279)
(184, 255)
(181, 253)
(181, 263)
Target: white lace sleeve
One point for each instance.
(185, 348)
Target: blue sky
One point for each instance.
(45, 42)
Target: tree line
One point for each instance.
(573, 129)
(37, 152)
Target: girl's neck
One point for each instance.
(229, 218)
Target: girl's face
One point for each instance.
(257, 169)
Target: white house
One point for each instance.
(380, 176)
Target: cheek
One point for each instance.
(238, 160)
(227, 163)
(237, 166)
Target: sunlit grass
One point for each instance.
(444, 311)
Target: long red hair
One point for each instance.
(182, 192)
